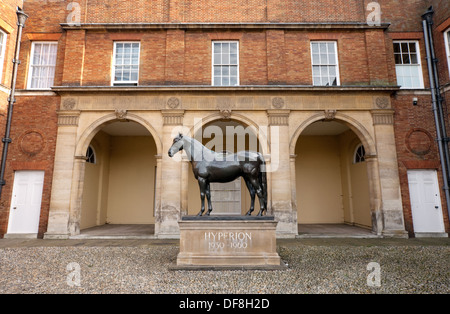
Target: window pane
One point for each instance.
(225, 48)
(323, 47)
(233, 81)
(316, 70)
(233, 71)
(316, 81)
(233, 48)
(217, 71)
(406, 59)
(316, 59)
(331, 48)
(217, 58)
(225, 81)
(412, 47)
(398, 58)
(217, 48)
(414, 59)
(225, 71)
(233, 58)
(332, 59)
(396, 48)
(404, 47)
(225, 59)
(217, 81)
(315, 47)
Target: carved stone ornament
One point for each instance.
(278, 102)
(225, 108)
(330, 115)
(382, 102)
(69, 103)
(121, 114)
(173, 102)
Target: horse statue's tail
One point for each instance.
(263, 178)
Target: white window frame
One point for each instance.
(113, 67)
(419, 64)
(237, 63)
(2, 54)
(447, 48)
(338, 80)
(357, 158)
(30, 69)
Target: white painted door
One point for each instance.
(426, 204)
(26, 202)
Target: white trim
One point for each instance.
(419, 63)
(30, 67)
(212, 60)
(338, 79)
(447, 48)
(2, 54)
(113, 65)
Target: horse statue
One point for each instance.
(209, 166)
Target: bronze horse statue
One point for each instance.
(209, 166)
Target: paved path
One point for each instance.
(142, 266)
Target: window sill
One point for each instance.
(35, 92)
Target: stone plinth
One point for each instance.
(228, 242)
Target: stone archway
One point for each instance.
(333, 150)
(119, 183)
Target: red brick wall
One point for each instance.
(33, 134)
(415, 135)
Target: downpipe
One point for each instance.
(436, 98)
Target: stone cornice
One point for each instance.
(209, 88)
(222, 26)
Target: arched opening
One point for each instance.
(228, 136)
(119, 187)
(332, 186)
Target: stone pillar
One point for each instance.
(280, 167)
(59, 214)
(169, 211)
(391, 201)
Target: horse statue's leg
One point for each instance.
(252, 195)
(259, 191)
(202, 185)
(208, 197)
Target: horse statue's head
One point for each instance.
(177, 145)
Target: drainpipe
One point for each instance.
(21, 18)
(436, 98)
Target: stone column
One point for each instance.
(280, 167)
(391, 201)
(169, 212)
(59, 214)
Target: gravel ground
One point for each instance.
(144, 269)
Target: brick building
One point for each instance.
(335, 94)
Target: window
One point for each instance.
(325, 63)
(447, 47)
(407, 64)
(90, 155)
(42, 65)
(359, 155)
(225, 63)
(2, 52)
(126, 63)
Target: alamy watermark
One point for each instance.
(374, 17)
(73, 279)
